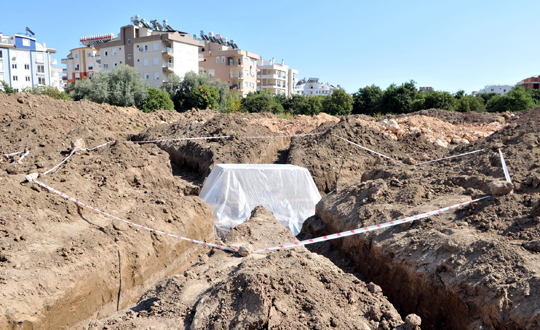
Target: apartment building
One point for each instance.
(24, 62)
(276, 78)
(154, 51)
(499, 89)
(221, 59)
(81, 63)
(312, 86)
(530, 83)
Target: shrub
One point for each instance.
(203, 97)
(49, 91)
(156, 100)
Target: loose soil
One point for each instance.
(62, 266)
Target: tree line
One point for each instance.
(123, 86)
(406, 98)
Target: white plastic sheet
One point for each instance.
(234, 190)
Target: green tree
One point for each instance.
(313, 105)
(399, 99)
(295, 104)
(6, 89)
(156, 99)
(180, 89)
(459, 94)
(469, 103)
(515, 100)
(367, 100)
(535, 95)
(486, 96)
(261, 101)
(122, 86)
(234, 102)
(339, 103)
(203, 97)
(438, 100)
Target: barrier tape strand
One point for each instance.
(223, 137)
(370, 228)
(444, 158)
(379, 154)
(14, 154)
(51, 189)
(74, 151)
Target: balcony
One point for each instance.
(269, 76)
(169, 68)
(168, 52)
(238, 75)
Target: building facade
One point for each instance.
(24, 63)
(275, 78)
(530, 83)
(222, 60)
(498, 89)
(312, 87)
(81, 63)
(154, 52)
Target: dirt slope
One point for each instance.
(292, 289)
(60, 264)
(480, 265)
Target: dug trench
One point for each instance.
(60, 266)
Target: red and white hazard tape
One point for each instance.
(13, 154)
(370, 228)
(74, 151)
(129, 222)
(379, 154)
(225, 137)
(22, 157)
(437, 160)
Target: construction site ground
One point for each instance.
(66, 266)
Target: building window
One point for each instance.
(41, 81)
(90, 75)
(91, 66)
(114, 65)
(119, 48)
(105, 66)
(14, 66)
(129, 57)
(76, 55)
(89, 54)
(145, 48)
(114, 51)
(239, 61)
(211, 72)
(1, 54)
(145, 62)
(27, 66)
(129, 41)
(27, 78)
(15, 78)
(223, 59)
(41, 68)
(156, 61)
(146, 76)
(105, 53)
(156, 75)
(76, 67)
(155, 46)
(217, 59)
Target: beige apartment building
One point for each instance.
(276, 78)
(222, 60)
(80, 63)
(154, 51)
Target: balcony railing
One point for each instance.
(239, 75)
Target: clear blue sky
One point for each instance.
(449, 45)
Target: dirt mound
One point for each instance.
(332, 161)
(61, 264)
(479, 265)
(284, 290)
(202, 155)
(454, 117)
(298, 125)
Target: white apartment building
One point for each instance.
(154, 52)
(499, 89)
(312, 87)
(24, 62)
(276, 78)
